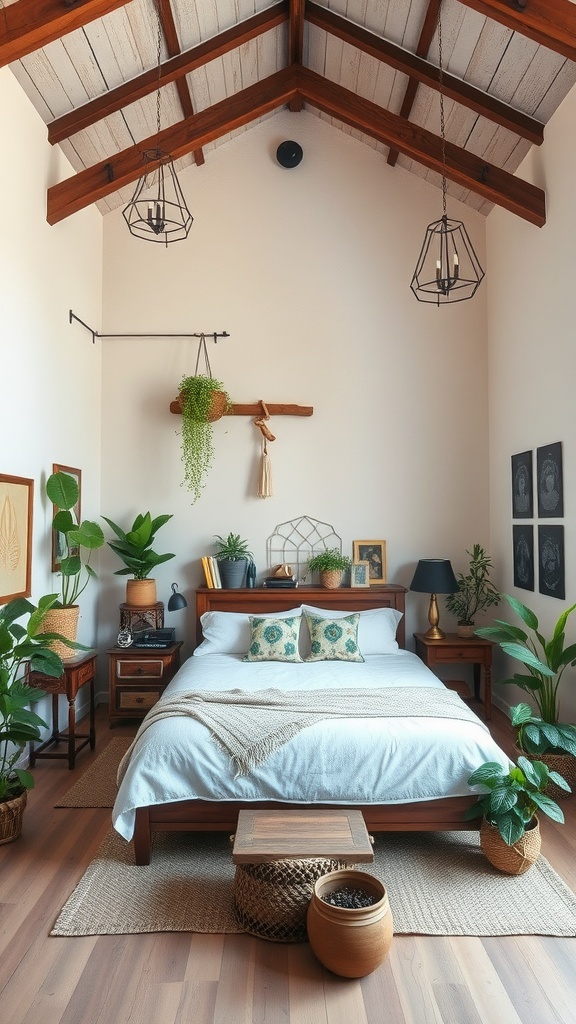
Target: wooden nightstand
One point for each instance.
(77, 672)
(137, 677)
(454, 649)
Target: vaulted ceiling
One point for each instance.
(368, 67)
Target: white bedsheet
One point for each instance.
(362, 760)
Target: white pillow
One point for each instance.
(229, 632)
(376, 629)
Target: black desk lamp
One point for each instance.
(434, 576)
(177, 600)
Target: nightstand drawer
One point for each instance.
(468, 653)
(136, 700)
(131, 668)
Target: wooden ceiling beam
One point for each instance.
(94, 183)
(426, 37)
(491, 182)
(296, 42)
(550, 23)
(27, 25)
(173, 46)
(428, 74)
(170, 71)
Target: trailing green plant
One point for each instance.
(21, 645)
(329, 559)
(134, 548)
(544, 660)
(78, 540)
(515, 797)
(196, 395)
(232, 548)
(535, 736)
(475, 588)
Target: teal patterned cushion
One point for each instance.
(274, 639)
(334, 639)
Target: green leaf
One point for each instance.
(527, 658)
(63, 522)
(520, 713)
(62, 490)
(550, 807)
(86, 535)
(523, 612)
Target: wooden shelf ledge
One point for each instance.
(255, 409)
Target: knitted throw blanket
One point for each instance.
(251, 726)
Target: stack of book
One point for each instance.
(211, 572)
(280, 582)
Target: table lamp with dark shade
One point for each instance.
(176, 601)
(434, 576)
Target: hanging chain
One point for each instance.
(158, 46)
(442, 124)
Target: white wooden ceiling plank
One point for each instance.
(557, 90)
(208, 19)
(317, 42)
(487, 54)
(39, 67)
(403, 22)
(519, 53)
(115, 49)
(187, 23)
(389, 88)
(199, 89)
(215, 81)
(66, 80)
(31, 90)
(232, 72)
(268, 53)
(469, 27)
(367, 76)
(539, 74)
(333, 59)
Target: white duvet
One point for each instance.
(342, 761)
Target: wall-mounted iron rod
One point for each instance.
(191, 334)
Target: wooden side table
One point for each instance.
(137, 678)
(77, 672)
(453, 649)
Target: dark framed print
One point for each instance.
(550, 481)
(16, 501)
(522, 486)
(551, 561)
(373, 552)
(523, 544)
(360, 574)
(58, 547)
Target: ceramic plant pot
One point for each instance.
(233, 572)
(351, 943)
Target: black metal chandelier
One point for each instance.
(448, 269)
(157, 211)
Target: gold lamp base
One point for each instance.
(434, 633)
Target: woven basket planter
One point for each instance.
(11, 814)
(331, 578)
(218, 406)
(65, 622)
(271, 900)
(141, 593)
(564, 764)
(513, 860)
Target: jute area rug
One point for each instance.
(97, 786)
(438, 884)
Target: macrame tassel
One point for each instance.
(265, 486)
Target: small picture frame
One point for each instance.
(522, 486)
(373, 552)
(523, 544)
(551, 578)
(360, 574)
(58, 550)
(16, 500)
(550, 481)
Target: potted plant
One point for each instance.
(544, 663)
(331, 564)
(76, 541)
(203, 401)
(134, 548)
(553, 743)
(21, 645)
(233, 559)
(475, 591)
(510, 831)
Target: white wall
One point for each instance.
(532, 362)
(51, 399)
(308, 269)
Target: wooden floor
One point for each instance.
(236, 979)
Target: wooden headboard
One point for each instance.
(262, 600)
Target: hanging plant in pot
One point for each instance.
(134, 548)
(203, 401)
(77, 541)
(331, 564)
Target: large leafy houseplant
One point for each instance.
(21, 645)
(134, 547)
(514, 798)
(536, 737)
(78, 540)
(202, 401)
(544, 660)
(475, 588)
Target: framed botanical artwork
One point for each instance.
(550, 481)
(360, 574)
(373, 552)
(16, 501)
(551, 561)
(522, 486)
(523, 544)
(58, 547)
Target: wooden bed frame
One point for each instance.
(200, 815)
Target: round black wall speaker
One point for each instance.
(289, 154)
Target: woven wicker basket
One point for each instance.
(331, 578)
(271, 900)
(65, 622)
(564, 764)
(513, 860)
(141, 593)
(218, 406)
(11, 814)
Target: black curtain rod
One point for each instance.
(96, 334)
